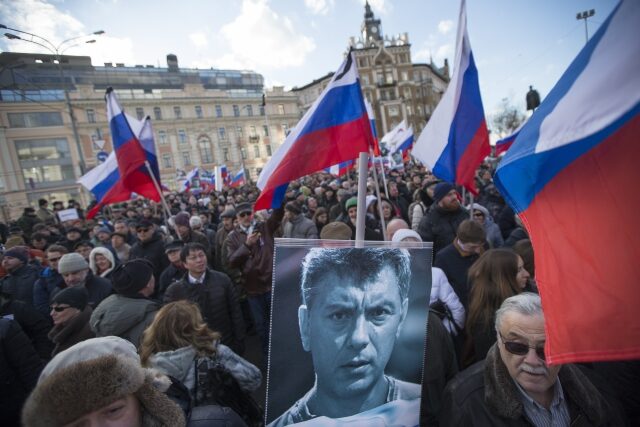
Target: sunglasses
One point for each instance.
(59, 309)
(520, 349)
(142, 230)
(478, 214)
(243, 214)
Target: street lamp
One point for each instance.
(58, 51)
(585, 15)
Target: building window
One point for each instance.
(365, 79)
(238, 131)
(236, 111)
(186, 158)
(162, 137)
(243, 153)
(225, 154)
(166, 161)
(206, 149)
(222, 134)
(265, 130)
(262, 113)
(34, 120)
(249, 110)
(177, 112)
(394, 111)
(407, 93)
(404, 76)
(256, 151)
(252, 131)
(140, 113)
(218, 110)
(199, 112)
(281, 109)
(182, 136)
(91, 115)
(45, 162)
(268, 147)
(157, 113)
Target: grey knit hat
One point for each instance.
(70, 263)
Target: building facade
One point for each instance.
(396, 88)
(201, 118)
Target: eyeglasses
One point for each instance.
(520, 349)
(478, 214)
(243, 214)
(59, 309)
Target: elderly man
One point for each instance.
(439, 225)
(75, 272)
(354, 302)
(514, 386)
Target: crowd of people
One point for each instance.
(136, 288)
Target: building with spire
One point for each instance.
(396, 88)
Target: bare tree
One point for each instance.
(507, 119)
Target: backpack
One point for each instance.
(215, 385)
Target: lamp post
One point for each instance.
(58, 51)
(584, 16)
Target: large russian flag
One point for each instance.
(572, 176)
(335, 129)
(105, 184)
(130, 152)
(455, 140)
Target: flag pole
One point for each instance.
(363, 159)
(377, 187)
(166, 211)
(384, 181)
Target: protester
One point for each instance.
(102, 262)
(84, 248)
(439, 225)
(187, 234)
(120, 246)
(175, 271)
(128, 312)
(150, 246)
(70, 312)
(296, 225)
(18, 283)
(76, 273)
(220, 254)
(481, 216)
(50, 281)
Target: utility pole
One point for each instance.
(584, 16)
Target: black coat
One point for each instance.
(217, 298)
(98, 289)
(19, 284)
(20, 368)
(33, 323)
(170, 275)
(440, 226)
(50, 281)
(152, 250)
(456, 267)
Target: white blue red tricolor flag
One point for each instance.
(455, 140)
(335, 129)
(132, 150)
(189, 180)
(105, 184)
(340, 169)
(572, 175)
(238, 179)
(502, 145)
(374, 132)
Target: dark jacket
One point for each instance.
(440, 226)
(32, 322)
(123, 317)
(220, 260)
(170, 275)
(300, 227)
(152, 250)
(19, 284)
(98, 289)
(485, 395)
(256, 263)
(20, 368)
(455, 267)
(218, 301)
(50, 282)
(68, 334)
(197, 237)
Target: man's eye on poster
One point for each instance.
(348, 334)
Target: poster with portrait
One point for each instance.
(348, 333)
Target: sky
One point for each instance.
(516, 43)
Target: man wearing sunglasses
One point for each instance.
(514, 385)
(150, 246)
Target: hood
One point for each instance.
(121, 315)
(487, 216)
(175, 362)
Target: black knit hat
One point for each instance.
(131, 277)
(293, 207)
(73, 297)
(441, 190)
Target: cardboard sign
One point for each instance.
(68, 215)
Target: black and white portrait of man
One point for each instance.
(353, 304)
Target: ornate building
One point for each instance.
(200, 118)
(396, 88)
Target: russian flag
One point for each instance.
(405, 144)
(105, 184)
(572, 175)
(226, 177)
(336, 128)
(130, 153)
(339, 169)
(187, 185)
(502, 145)
(374, 132)
(455, 140)
(238, 179)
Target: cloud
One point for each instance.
(379, 6)
(319, 7)
(199, 39)
(259, 38)
(445, 26)
(46, 20)
(443, 51)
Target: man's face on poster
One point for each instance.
(350, 329)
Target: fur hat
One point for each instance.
(18, 252)
(93, 374)
(441, 190)
(182, 219)
(72, 262)
(402, 234)
(131, 277)
(14, 241)
(337, 230)
(105, 253)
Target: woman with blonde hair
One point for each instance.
(497, 275)
(102, 262)
(178, 341)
